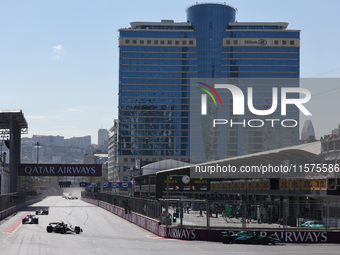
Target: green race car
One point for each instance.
(313, 224)
(247, 237)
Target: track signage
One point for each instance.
(60, 170)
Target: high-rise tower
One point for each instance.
(162, 63)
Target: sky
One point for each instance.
(59, 59)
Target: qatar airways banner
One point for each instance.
(287, 236)
(60, 170)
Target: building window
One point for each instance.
(134, 41)
(235, 42)
(184, 42)
(155, 41)
(132, 159)
(127, 41)
(169, 42)
(125, 160)
(284, 42)
(148, 41)
(162, 41)
(276, 42)
(177, 42)
(227, 42)
(291, 42)
(141, 41)
(191, 42)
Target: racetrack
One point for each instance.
(106, 233)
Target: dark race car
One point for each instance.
(30, 219)
(62, 228)
(42, 211)
(246, 237)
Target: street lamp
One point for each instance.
(38, 152)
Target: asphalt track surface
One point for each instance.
(106, 233)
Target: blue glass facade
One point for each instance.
(209, 22)
(159, 60)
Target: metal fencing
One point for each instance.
(13, 199)
(242, 214)
(255, 214)
(147, 207)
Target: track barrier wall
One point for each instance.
(15, 202)
(144, 222)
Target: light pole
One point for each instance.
(37, 152)
(167, 200)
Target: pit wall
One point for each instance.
(13, 209)
(153, 226)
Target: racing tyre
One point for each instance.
(264, 240)
(77, 229)
(23, 221)
(47, 213)
(49, 229)
(36, 212)
(36, 221)
(225, 239)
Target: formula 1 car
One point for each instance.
(30, 219)
(41, 211)
(62, 228)
(246, 237)
(313, 224)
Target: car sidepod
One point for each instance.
(273, 239)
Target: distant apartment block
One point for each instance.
(78, 142)
(30, 147)
(103, 137)
(26, 148)
(307, 130)
(56, 160)
(98, 159)
(48, 140)
(113, 152)
(336, 131)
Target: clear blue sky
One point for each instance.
(59, 59)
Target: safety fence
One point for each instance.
(287, 214)
(10, 203)
(146, 207)
(291, 235)
(240, 214)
